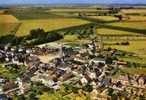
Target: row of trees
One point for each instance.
(36, 36)
(39, 36)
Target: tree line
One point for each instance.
(36, 36)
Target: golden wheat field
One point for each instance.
(7, 24)
(7, 19)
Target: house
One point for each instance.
(118, 86)
(120, 62)
(83, 80)
(124, 79)
(67, 76)
(3, 97)
(98, 60)
(2, 80)
(9, 86)
(141, 80)
(106, 81)
(60, 72)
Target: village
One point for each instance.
(86, 65)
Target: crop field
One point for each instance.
(7, 19)
(137, 47)
(73, 10)
(7, 28)
(8, 23)
(126, 28)
(104, 18)
(48, 24)
(30, 13)
(135, 25)
(132, 25)
(106, 31)
(133, 11)
(137, 18)
(1, 11)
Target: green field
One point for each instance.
(108, 31)
(48, 24)
(135, 25)
(137, 47)
(104, 18)
(132, 25)
(31, 13)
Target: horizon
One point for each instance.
(48, 2)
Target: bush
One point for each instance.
(125, 43)
(39, 36)
(88, 88)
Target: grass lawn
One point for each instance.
(48, 24)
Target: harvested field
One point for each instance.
(8, 24)
(7, 19)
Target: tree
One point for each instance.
(120, 17)
(32, 96)
(37, 33)
(21, 97)
(88, 88)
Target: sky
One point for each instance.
(71, 1)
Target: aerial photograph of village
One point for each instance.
(72, 49)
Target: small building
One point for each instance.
(98, 60)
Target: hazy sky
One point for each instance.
(69, 1)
